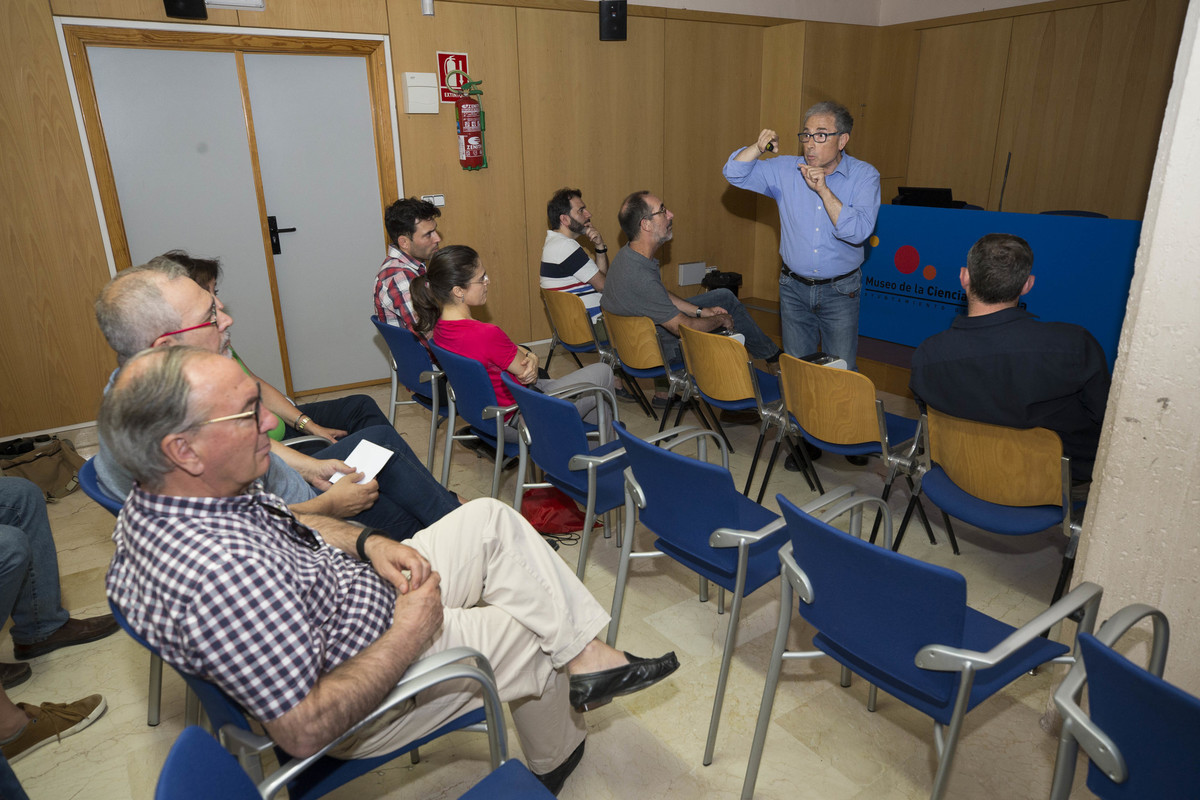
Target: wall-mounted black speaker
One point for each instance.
(186, 9)
(612, 20)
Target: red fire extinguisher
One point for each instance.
(470, 123)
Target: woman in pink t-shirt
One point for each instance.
(453, 284)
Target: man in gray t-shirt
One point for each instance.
(634, 287)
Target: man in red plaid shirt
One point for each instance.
(412, 231)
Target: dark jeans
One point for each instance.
(350, 414)
(758, 344)
(410, 498)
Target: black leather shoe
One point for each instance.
(813, 451)
(555, 778)
(14, 674)
(595, 689)
(75, 631)
(858, 461)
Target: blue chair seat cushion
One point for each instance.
(1007, 520)
(719, 565)
(899, 429)
(512, 781)
(768, 387)
(980, 633)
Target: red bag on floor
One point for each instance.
(551, 511)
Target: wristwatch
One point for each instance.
(699, 313)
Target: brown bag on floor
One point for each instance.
(53, 466)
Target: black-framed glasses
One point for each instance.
(254, 412)
(819, 137)
(653, 214)
(212, 314)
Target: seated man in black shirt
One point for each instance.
(999, 364)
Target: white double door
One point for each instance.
(185, 153)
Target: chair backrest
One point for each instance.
(834, 405)
(198, 768)
(219, 707)
(681, 494)
(473, 390)
(878, 607)
(556, 431)
(91, 487)
(719, 364)
(410, 356)
(570, 318)
(635, 340)
(1007, 466)
(1156, 726)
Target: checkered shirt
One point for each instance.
(238, 592)
(393, 289)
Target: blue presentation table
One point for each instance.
(1082, 266)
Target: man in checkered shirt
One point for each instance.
(309, 623)
(412, 239)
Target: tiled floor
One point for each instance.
(822, 743)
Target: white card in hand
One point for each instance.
(367, 458)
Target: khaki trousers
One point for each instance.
(509, 596)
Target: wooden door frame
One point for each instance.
(78, 37)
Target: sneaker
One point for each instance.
(51, 722)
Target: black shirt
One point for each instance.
(1008, 368)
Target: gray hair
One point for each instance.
(841, 114)
(131, 309)
(150, 400)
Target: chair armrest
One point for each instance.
(1086, 596)
(1079, 726)
(491, 412)
(584, 461)
(423, 674)
(685, 434)
(432, 374)
(732, 537)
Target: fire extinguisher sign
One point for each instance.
(447, 83)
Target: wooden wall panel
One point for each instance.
(960, 87)
(779, 110)
(591, 119)
(52, 356)
(349, 16)
(708, 105)
(484, 208)
(873, 72)
(1083, 103)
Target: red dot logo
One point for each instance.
(907, 259)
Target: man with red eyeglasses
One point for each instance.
(157, 305)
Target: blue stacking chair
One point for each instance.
(1142, 734)
(571, 326)
(91, 487)
(641, 356)
(474, 400)
(319, 774)
(725, 376)
(902, 624)
(556, 439)
(704, 523)
(413, 367)
(1009, 481)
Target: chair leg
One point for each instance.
(768, 699)
(950, 742)
(912, 502)
(887, 490)
(622, 575)
(395, 390)
(950, 533)
(735, 611)
(762, 490)
(800, 454)
(632, 386)
(154, 698)
(1064, 577)
(191, 707)
(702, 589)
(717, 422)
(762, 437)
(574, 356)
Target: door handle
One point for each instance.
(273, 230)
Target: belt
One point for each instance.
(816, 281)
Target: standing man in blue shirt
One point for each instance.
(828, 202)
